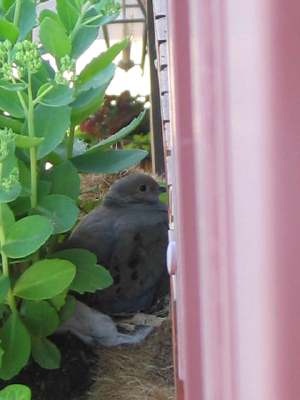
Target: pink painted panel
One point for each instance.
(235, 167)
(181, 176)
(264, 103)
(213, 202)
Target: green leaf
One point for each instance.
(10, 187)
(8, 195)
(15, 342)
(7, 218)
(26, 236)
(45, 353)
(15, 392)
(44, 279)
(9, 122)
(40, 318)
(86, 103)
(59, 300)
(108, 161)
(44, 188)
(89, 276)
(9, 101)
(21, 206)
(52, 15)
(102, 61)
(6, 4)
(8, 30)
(102, 78)
(60, 210)
(1, 350)
(65, 179)
(67, 309)
(60, 95)
(26, 142)
(12, 87)
(4, 309)
(28, 18)
(4, 286)
(54, 38)
(68, 14)
(163, 197)
(45, 74)
(51, 124)
(83, 39)
(101, 20)
(25, 179)
(111, 140)
(9, 168)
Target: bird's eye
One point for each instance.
(143, 188)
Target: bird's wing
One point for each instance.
(95, 233)
(139, 255)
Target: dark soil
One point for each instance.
(70, 382)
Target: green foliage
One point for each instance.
(16, 391)
(15, 343)
(39, 110)
(89, 276)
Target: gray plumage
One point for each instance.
(129, 235)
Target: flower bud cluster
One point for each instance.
(111, 8)
(6, 136)
(66, 72)
(11, 180)
(29, 56)
(5, 65)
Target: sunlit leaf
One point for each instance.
(89, 276)
(19, 243)
(45, 279)
(54, 38)
(108, 161)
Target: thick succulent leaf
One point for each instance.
(45, 279)
(15, 342)
(8, 30)
(15, 391)
(54, 38)
(108, 161)
(60, 185)
(111, 140)
(19, 243)
(101, 62)
(60, 210)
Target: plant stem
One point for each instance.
(5, 263)
(33, 169)
(70, 141)
(39, 98)
(79, 21)
(17, 12)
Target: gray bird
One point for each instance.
(129, 235)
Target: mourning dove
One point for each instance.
(129, 235)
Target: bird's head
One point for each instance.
(134, 188)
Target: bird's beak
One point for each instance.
(162, 189)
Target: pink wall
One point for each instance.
(235, 118)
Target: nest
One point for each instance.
(141, 372)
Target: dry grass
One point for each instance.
(141, 372)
